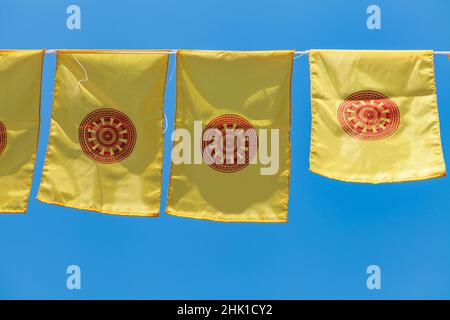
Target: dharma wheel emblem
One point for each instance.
(3, 137)
(239, 141)
(107, 135)
(369, 115)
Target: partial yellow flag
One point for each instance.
(231, 153)
(20, 95)
(106, 141)
(374, 116)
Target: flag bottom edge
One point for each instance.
(427, 177)
(7, 211)
(118, 213)
(194, 216)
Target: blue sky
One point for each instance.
(334, 232)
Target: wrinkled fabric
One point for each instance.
(20, 83)
(257, 87)
(87, 81)
(412, 152)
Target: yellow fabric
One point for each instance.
(252, 85)
(20, 83)
(412, 152)
(130, 83)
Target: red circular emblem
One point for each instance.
(369, 115)
(3, 137)
(107, 135)
(239, 143)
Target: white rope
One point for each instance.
(174, 51)
(82, 80)
(442, 52)
(300, 53)
(166, 123)
(173, 71)
(53, 51)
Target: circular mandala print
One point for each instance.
(3, 137)
(107, 135)
(369, 115)
(239, 143)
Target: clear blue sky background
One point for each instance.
(335, 229)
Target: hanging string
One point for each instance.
(300, 53)
(173, 68)
(166, 123)
(174, 65)
(82, 80)
(174, 51)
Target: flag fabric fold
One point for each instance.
(20, 95)
(374, 116)
(231, 153)
(106, 141)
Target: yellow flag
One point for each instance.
(106, 141)
(231, 153)
(20, 95)
(374, 116)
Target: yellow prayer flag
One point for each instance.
(374, 116)
(231, 153)
(20, 95)
(106, 142)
